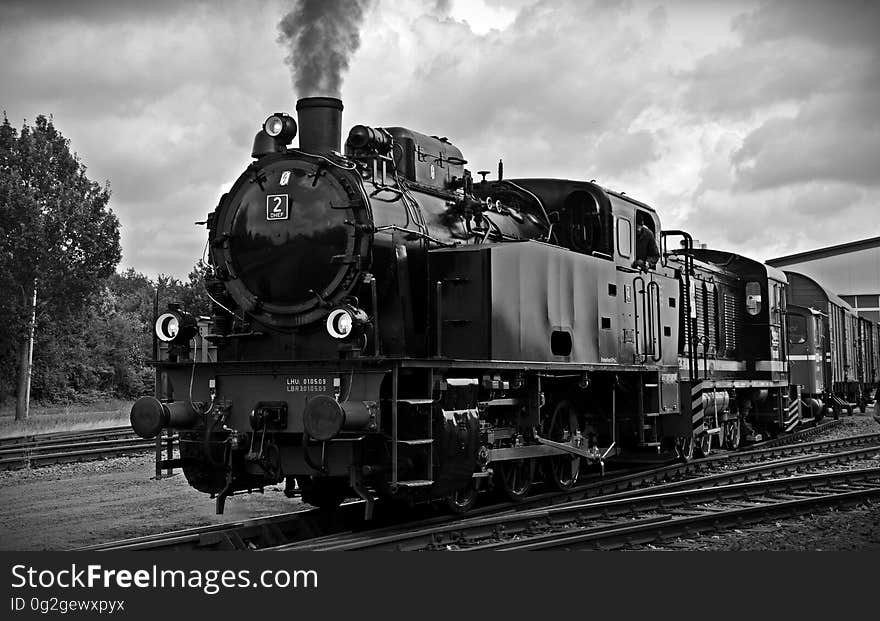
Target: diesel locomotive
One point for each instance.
(386, 326)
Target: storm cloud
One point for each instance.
(752, 124)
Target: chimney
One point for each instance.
(320, 124)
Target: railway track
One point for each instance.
(309, 528)
(659, 517)
(66, 447)
(65, 436)
(797, 436)
(523, 516)
(639, 481)
(246, 534)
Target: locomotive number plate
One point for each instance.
(307, 384)
(277, 207)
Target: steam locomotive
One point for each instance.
(386, 326)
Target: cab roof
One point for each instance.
(804, 287)
(739, 264)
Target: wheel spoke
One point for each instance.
(462, 500)
(732, 434)
(516, 478)
(560, 471)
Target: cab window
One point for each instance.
(624, 238)
(582, 219)
(797, 329)
(753, 297)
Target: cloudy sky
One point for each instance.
(754, 125)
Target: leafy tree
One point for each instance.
(127, 316)
(94, 326)
(56, 230)
(190, 294)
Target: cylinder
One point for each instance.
(324, 417)
(320, 124)
(149, 416)
(715, 402)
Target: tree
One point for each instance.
(190, 294)
(123, 322)
(56, 230)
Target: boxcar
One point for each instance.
(840, 327)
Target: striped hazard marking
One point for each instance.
(792, 414)
(697, 414)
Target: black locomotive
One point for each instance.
(384, 325)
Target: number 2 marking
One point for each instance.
(277, 207)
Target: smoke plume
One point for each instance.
(321, 36)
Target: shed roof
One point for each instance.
(823, 253)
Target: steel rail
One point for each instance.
(36, 449)
(243, 534)
(641, 480)
(615, 523)
(692, 512)
(312, 527)
(616, 487)
(776, 467)
(797, 436)
(410, 538)
(307, 524)
(63, 436)
(34, 456)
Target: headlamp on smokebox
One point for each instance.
(346, 321)
(176, 326)
(281, 127)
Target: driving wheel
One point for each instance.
(684, 448)
(515, 477)
(732, 434)
(703, 444)
(462, 500)
(561, 471)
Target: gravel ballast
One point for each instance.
(851, 529)
(72, 505)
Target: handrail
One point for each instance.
(686, 307)
(658, 339)
(640, 346)
(650, 337)
(439, 318)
